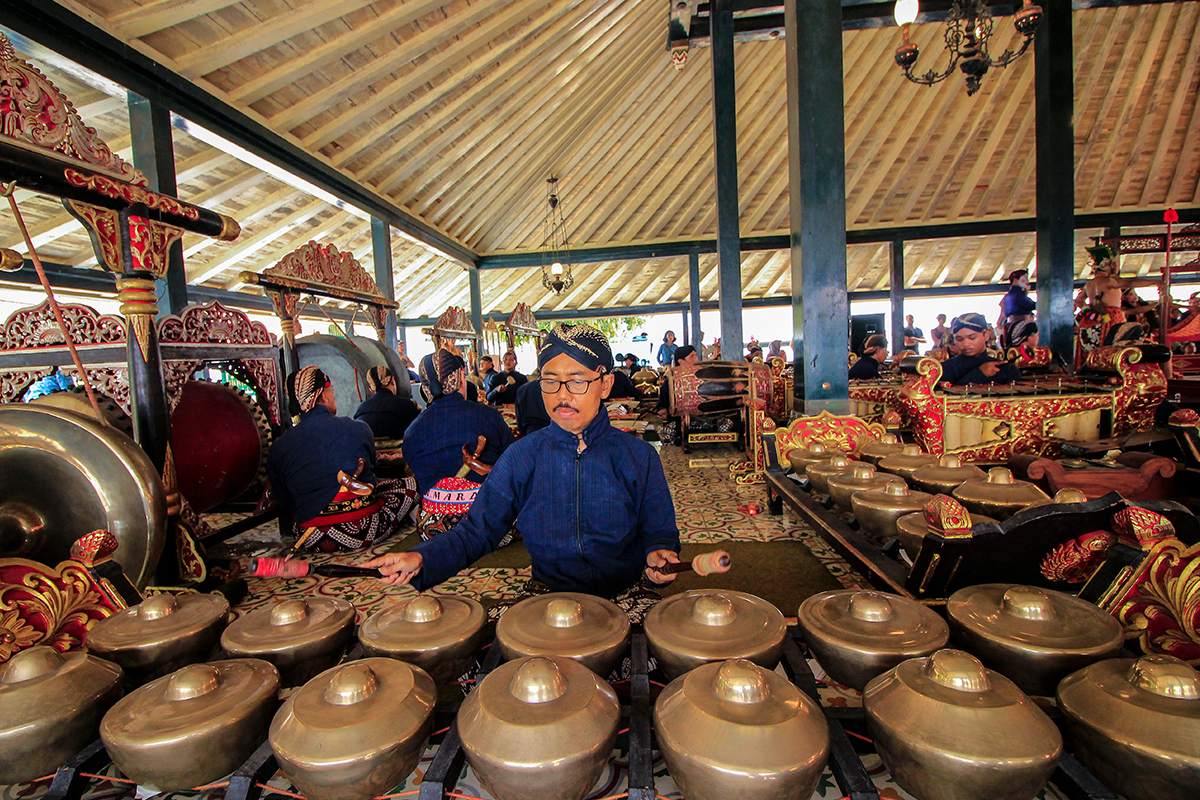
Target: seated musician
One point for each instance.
(671, 430)
(322, 470)
(623, 388)
(1023, 337)
(504, 385)
(434, 445)
(866, 368)
(973, 364)
(592, 501)
(531, 411)
(388, 415)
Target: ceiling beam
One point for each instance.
(76, 38)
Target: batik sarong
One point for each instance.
(354, 521)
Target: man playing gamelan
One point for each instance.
(590, 500)
(322, 471)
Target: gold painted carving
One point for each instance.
(35, 114)
(132, 194)
(52, 606)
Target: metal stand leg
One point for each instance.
(1074, 780)
(847, 767)
(67, 783)
(447, 765)
(243, 784)
(641, 744)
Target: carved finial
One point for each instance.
(946, 516)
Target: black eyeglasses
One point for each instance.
(574, 385)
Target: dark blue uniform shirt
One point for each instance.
(303, 463)
(588, 519)
(509, 395)
(433, 443)
(961, 370)
(531, 409)
(388, 415)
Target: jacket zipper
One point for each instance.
(578, 508)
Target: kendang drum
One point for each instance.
(1036, 637)
(716, 387)
(161, 634)
(539, 727)
(220, 439)
(438, 634)
(949, 729)
(1136, 725)
(687, 630)
(857, 635)
(63, 475)
(586, 628)
(193, 726)
(735, 730)
(355, 731)
(300, 637)
(50, 709)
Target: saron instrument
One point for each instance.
(733, 729)
(949, 729)
(354, 731)
(586, 628)
(687, 630)
(51, 705)
(300, 637)
(1136, 725)
(193, 726)
(1035, 637)
(160, 634)
(857, 635)
(438, 634)
(541, 726)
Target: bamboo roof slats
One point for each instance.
(456, 112)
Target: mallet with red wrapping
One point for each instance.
(710, 563)
(291, 568)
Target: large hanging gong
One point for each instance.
(63, 475)
(346, 362)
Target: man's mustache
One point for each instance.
(567, 406)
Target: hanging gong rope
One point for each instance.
(9, 191)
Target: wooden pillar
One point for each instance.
(694, 301)
(817, 172)
(1055, 105)
(896, 295)
(729, 252)
(154, 154)
(381, 250)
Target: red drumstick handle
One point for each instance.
(290, 568)
(703, 564)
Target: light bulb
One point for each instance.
(906, 12)
(556, 268)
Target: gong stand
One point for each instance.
(522, 322)
(320, 271)
(453, 326)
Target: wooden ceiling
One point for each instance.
(457, 112)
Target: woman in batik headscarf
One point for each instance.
(447, 477)
(322, 470)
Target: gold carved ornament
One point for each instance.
(848, 433)
(44, 605)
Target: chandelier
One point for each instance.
(556, 253)
(970, 28)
